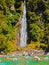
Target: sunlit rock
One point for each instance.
(12, 8)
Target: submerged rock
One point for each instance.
(46, 58)
(48, 53)
(36, 58)
(14, 59)
(0, 60)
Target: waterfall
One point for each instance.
(23, 30)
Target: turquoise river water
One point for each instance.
(21, 60)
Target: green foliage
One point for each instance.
(9, 17)
(35, 31)
(38, 20)
(0, 29)
(10, 2)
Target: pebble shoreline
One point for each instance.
(27, 53)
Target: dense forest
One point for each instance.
(11, 12)
(38, 20)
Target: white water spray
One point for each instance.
(23, 30)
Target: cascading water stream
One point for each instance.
(23, 30)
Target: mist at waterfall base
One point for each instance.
(23, 30)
